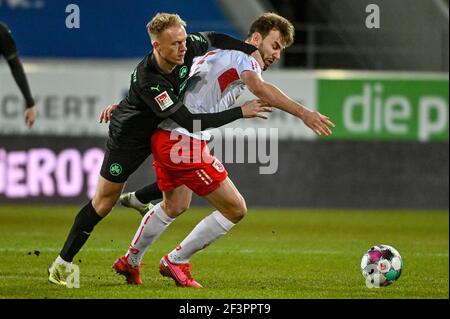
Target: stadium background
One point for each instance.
(386, 89)
(74, 73)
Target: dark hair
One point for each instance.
(272, 21)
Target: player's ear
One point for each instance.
(256, 38)
(155, 45)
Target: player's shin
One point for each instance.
(82, 227)
(152, 226)
(206, 232)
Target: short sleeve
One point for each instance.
(245, 62)
(7, 45)
(161, 99)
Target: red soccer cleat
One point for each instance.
(180, 273)
(132, 274)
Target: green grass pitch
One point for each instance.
(271, 254)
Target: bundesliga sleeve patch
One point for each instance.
(164, 100)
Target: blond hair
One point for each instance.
(161, 21)
(272, 21)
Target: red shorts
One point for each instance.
(184, 160)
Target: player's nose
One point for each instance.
(183, 48)
(277, 55)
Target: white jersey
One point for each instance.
(214, 85)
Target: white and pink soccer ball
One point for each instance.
(381, 266)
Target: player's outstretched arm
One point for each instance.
(194, 122)
(250, 109)
(269, 93)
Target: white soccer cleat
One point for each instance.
(129, 200)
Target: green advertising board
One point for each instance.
(386, 109)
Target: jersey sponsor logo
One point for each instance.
(218, 166)
(155, 88)
(115, 169)
(164, 100)
(183, 71)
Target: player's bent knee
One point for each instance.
(242, 209)
(103, 206)
(175, 210)
(180, 209)
(236, 210)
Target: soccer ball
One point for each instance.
(381, 266)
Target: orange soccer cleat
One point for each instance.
(132, 274)
(180, 273)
